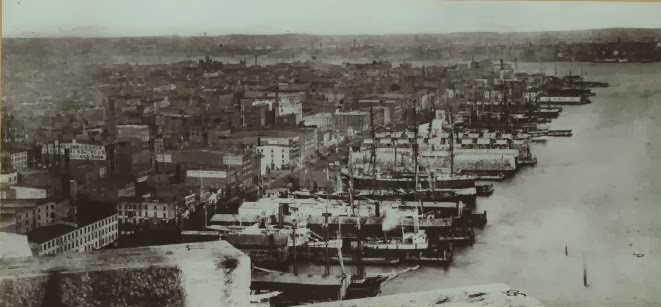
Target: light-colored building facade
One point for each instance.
(355, 120)
(32, 216)
(9, 178)
(15, 159)
(323, 121)
(30, 192)
(278, 152)
(90, 237)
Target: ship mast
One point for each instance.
(373, 157)
(415, 144)
(451, 120)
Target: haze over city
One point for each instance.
(171, 17)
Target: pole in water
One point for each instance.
(585, 273)
(566, 253)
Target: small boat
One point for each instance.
(559, 132)
(484, 189)
(497, 177)
(539, 139)
(530, 161)
(639, 255)
(302, 194)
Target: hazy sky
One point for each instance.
(194, 17)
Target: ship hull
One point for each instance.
(409, 183)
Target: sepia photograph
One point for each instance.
(330, 153)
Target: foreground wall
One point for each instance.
(494, 295)
(197, 274)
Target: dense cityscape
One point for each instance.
(295, 164)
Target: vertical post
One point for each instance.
(361, 269)
(294, 243)
(327, 267)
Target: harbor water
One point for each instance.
(597, 193)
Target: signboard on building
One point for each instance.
(206, 174)
(189, 200)
(77, 151)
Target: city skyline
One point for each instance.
(203, 17)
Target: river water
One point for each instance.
(598, 193)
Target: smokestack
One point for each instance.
(111, 124)
(67, 158)
(281, 215)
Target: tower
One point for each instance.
(109, 115)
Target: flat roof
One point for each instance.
(491, 295)
(47, 233)
(122, 258)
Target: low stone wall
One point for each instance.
(198, 274)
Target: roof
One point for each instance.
(108, 182)
(26, 203)
(124, 258)
(19, 245)
(482, 295)
(47, 233)
(33, 186)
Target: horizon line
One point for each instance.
(41, 35)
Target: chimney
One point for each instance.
(281, 215)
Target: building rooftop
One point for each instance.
(47, 233)
(120, 258)
(26, 203)
(19, 245)
(493, 295)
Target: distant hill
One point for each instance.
(245, 44)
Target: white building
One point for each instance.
(323, 121)
(278, 152)
(28, 192)
(274, 157)
(286, 107)
(90, 237)
(135, 211)
(9, 178)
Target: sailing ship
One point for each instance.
(407, 181)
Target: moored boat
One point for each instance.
(484, 189)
